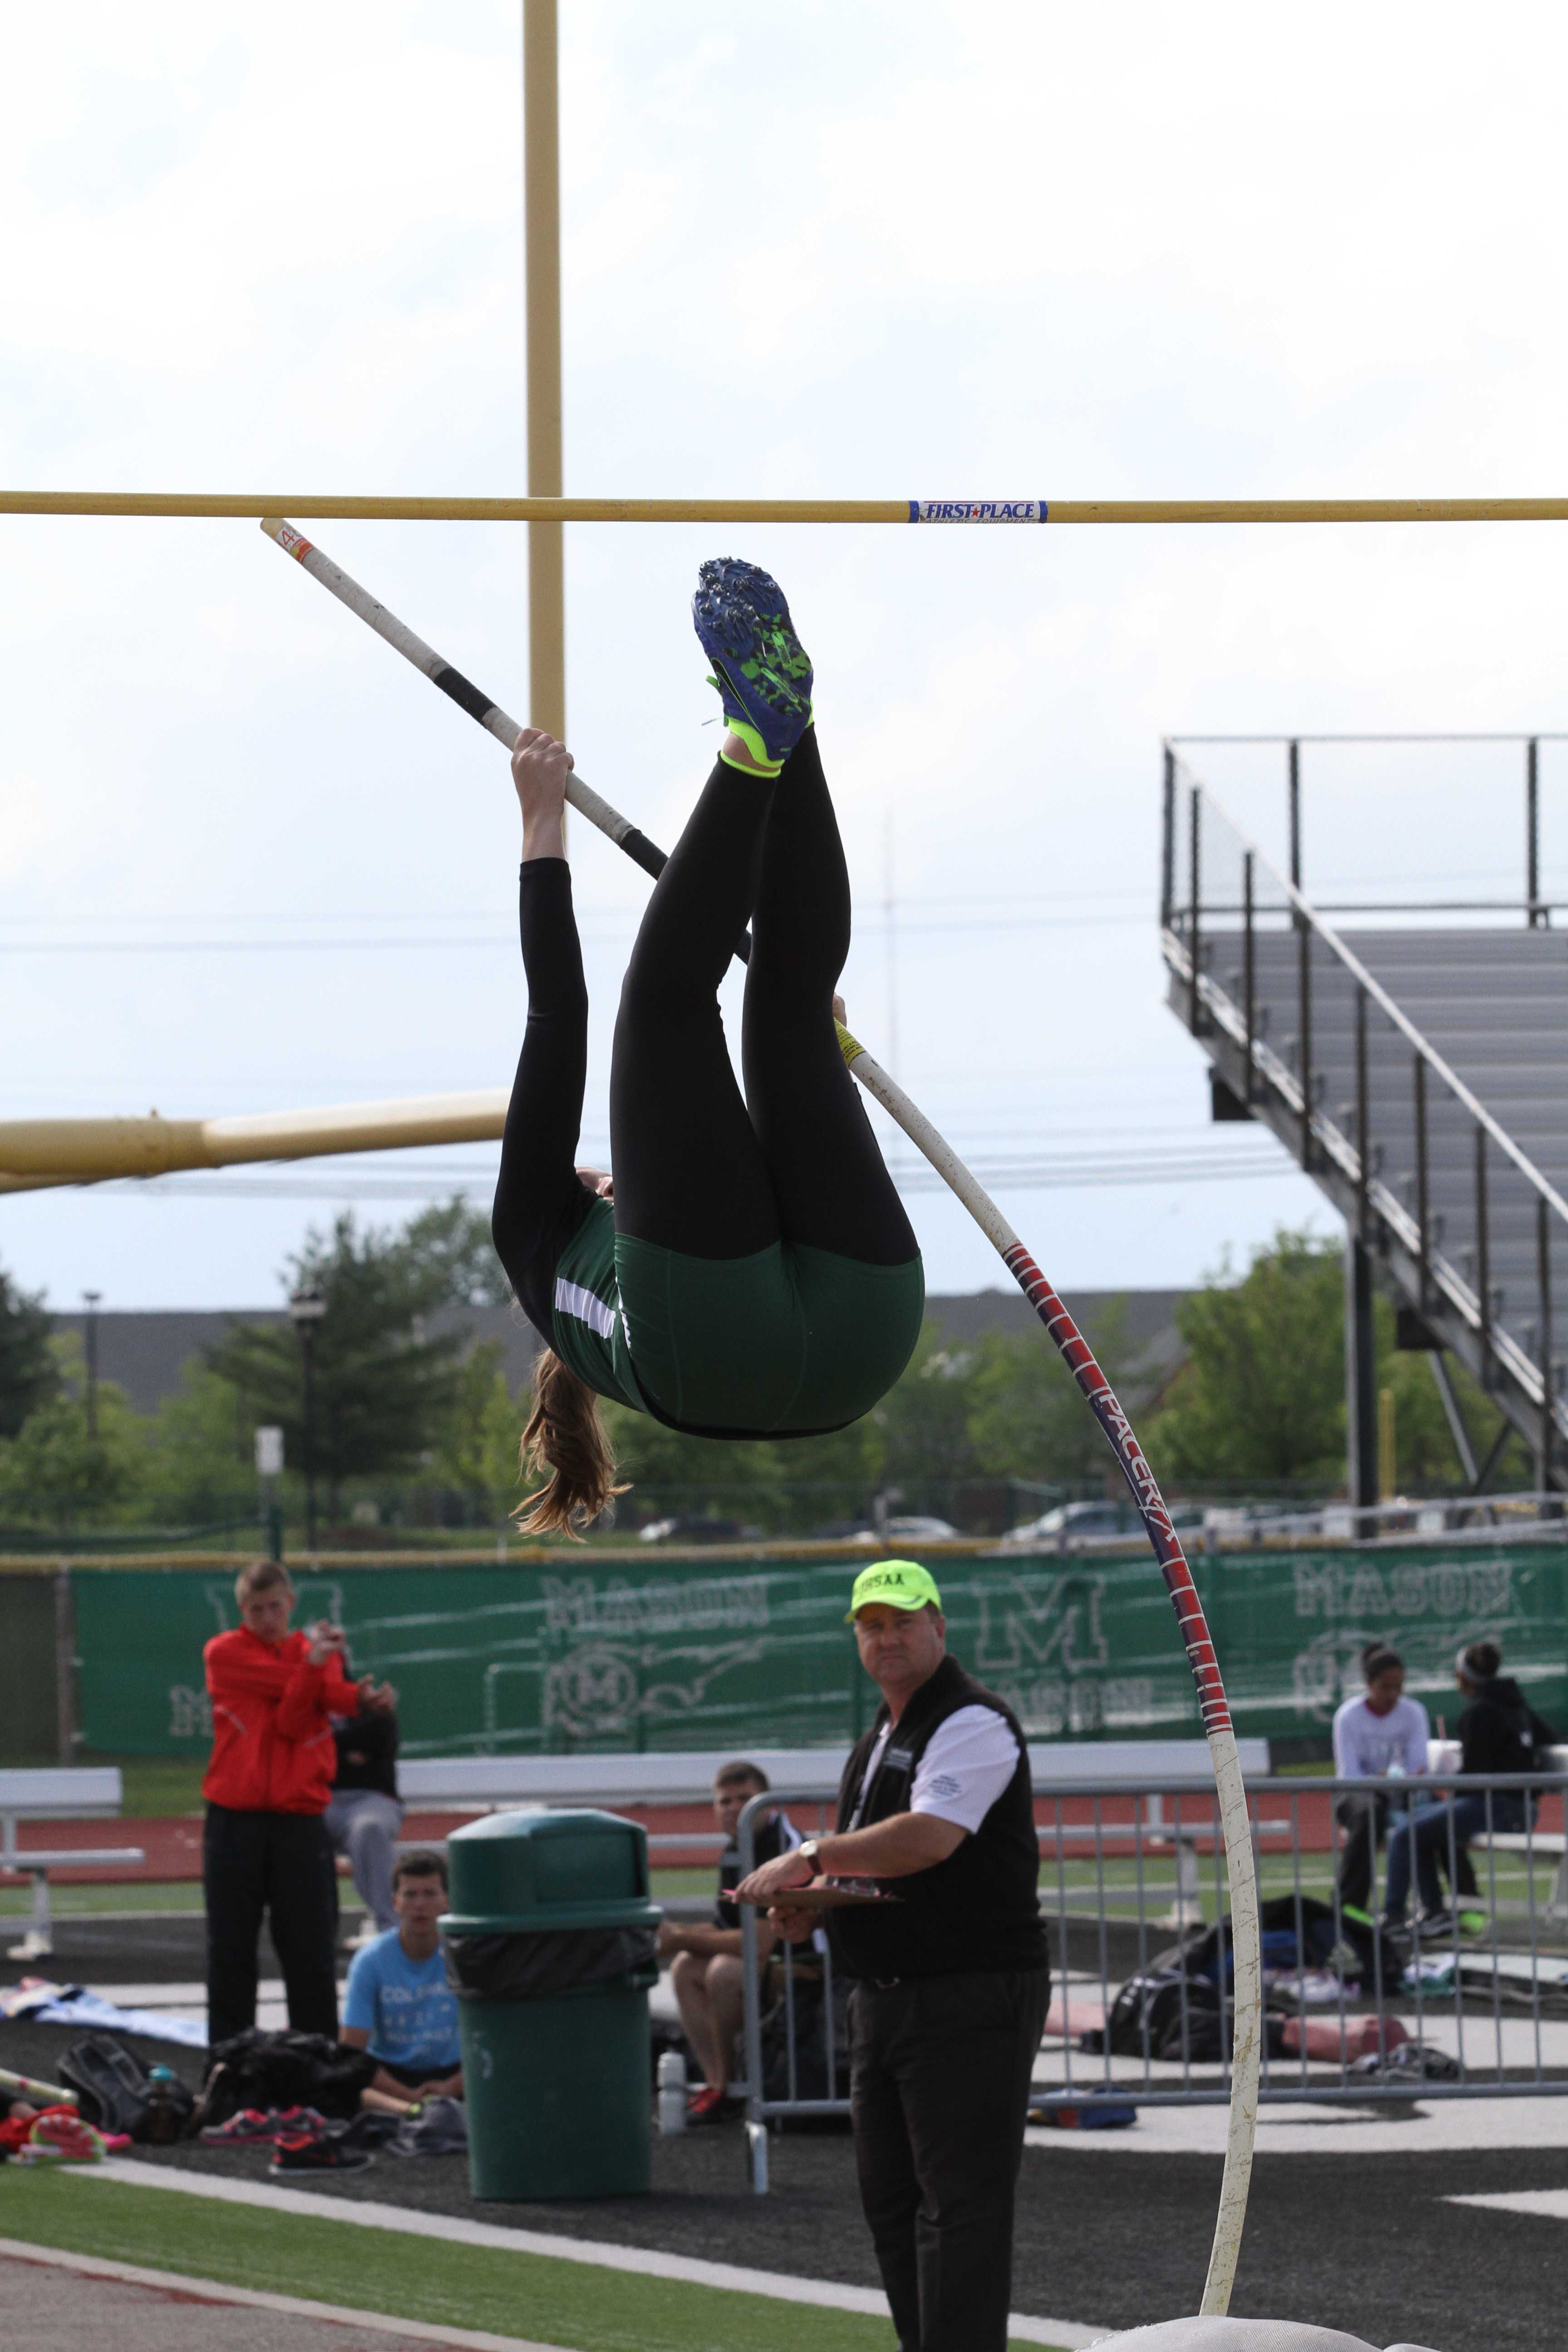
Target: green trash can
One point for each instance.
(550, 1948)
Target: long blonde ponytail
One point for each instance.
(565, 1437)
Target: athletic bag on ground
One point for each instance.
(283, 2070)
(119, 2094)
(1164, 2014)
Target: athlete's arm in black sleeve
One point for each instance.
(539, 1200)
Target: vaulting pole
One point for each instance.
(1077, 1355)
(916, 510)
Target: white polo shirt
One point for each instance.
(968, 1762)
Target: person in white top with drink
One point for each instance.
(1381, 1736)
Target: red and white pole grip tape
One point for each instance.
(1101, 1400)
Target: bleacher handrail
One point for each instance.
(1378, 995)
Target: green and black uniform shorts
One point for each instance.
(786, 1341)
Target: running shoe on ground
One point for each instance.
(371, 2127)
(711, 2106)
(242, 2130)
(761, 668)
(291, 2122)
(308, 2152)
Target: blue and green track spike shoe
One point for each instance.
(761, 670)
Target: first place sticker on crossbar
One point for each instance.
(979, 510)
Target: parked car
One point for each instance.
(697, 1531)
(917, 1528)
(1070, 1523)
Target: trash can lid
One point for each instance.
(524, 1871)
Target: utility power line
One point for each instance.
(1019, 1171)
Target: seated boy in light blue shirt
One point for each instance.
(399, 2005)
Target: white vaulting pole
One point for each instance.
(1241, 1868)
(1076, 1352)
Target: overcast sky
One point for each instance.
(854, 250)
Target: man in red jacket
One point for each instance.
(265, 1847)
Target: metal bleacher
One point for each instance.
(1418, 1072)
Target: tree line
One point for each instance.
(404, 1397)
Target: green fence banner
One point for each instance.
(613, 1654)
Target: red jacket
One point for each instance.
(272, 1738)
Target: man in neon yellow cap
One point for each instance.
(951, 1983)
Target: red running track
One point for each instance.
(173, 1845)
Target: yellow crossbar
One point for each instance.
(922, 510)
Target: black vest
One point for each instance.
(978, 1909)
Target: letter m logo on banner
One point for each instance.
(1024, 1624)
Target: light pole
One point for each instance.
(91, 1299)
(306, 1308)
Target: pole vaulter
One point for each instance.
(1076, 1354)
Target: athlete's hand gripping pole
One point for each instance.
(1076, 1353)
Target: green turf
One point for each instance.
(67, 1901)
(427, 2279)
(1118, 1878)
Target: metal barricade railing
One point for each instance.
(1133, 1887)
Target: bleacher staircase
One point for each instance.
(1434, 1114)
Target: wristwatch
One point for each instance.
(806, 1850)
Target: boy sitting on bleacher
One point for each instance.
(398, 2004)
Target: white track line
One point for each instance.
(1546, 2204)
(1443, 2127)
(641, 2260)
(200, 2290)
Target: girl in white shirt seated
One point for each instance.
(1381, 1736)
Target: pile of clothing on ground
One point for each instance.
(48, 2004)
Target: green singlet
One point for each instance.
(787, 1342)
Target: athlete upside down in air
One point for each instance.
(750, 1272)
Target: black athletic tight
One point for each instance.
(696, 1168)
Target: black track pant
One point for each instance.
(1364, 1817)
(280, 1864)
(1364, 1820)
(697, 1169)
(940, 2070)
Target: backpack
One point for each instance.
(283, 2070)
(118, 2093)
(1147, 2014)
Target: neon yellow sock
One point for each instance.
(755, 745)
